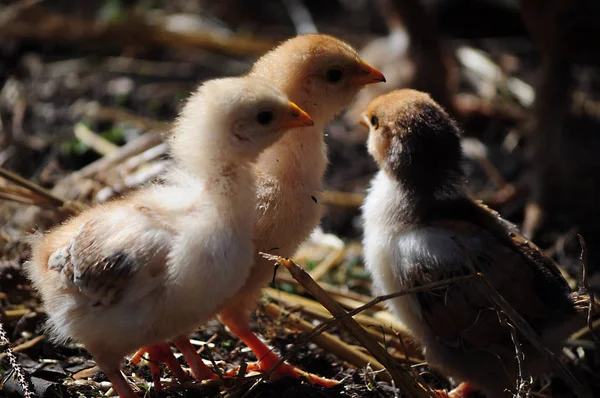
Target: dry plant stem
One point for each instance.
(120, 115)
(586, 286)
(326, 341)
(342, 199)
(26, 345)
(522, 326)
(132, 148)
(93, 140)
(521, 383)
(42, 24)
(316, 309)
(332, 259)
(32, 187)
(26, 200)
(10, 315)
(402, 379)
(334, 291)
(374, 327)
(585, 330)
(13, 362)
(418, 289)
(492, 172)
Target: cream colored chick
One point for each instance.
(414, 215)
(153, 266)
(322, 74)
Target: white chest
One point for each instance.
(396, 251)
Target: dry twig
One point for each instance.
(93, 140)
(402, 379)
(69, 206)
(326, 341)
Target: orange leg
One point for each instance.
(199, 369)
(267, 359)
(120, 384)
(463, 390)
(157, 354)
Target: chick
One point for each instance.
(152, 266)
(414, 210)
(322, 75)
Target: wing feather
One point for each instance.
(103, 262)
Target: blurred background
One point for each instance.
(89, 88)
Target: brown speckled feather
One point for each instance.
(518, 270)
(101, 271)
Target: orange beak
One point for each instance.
(364, 120)
(367, 75)
(298, 118)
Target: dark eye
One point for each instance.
(374, 121)
(264, 117)
(334, 75)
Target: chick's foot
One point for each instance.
(268, 360)
(157, 354)
(199, 370)
(120, 384)
(463, 390)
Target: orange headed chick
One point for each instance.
(321, 74)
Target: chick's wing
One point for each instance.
(113, 259)
(463, 316)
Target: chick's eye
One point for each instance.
(374, 121)
(333, 75)
(264, 117)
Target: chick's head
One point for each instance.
(413, 139)
(319, 72)
(240, 116)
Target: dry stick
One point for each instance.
(54, 200)
(521, 385)
(402, 379)
(13, 362)
(585, 330)
(326, 325)
(132, 148)
(98, 143)
(24, 346)
(120, 115)
(342, 199)
(17, 179)
(586, 286)
(43, 24)
(25, 200)
(328, 342)
(314, 309)
(521, 324)
(332, 259)
(334, 291)
(331, 322)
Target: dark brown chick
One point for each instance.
(415, 213)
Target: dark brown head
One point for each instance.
(414, 140)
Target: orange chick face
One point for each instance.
(323, 72)
(413, 139)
